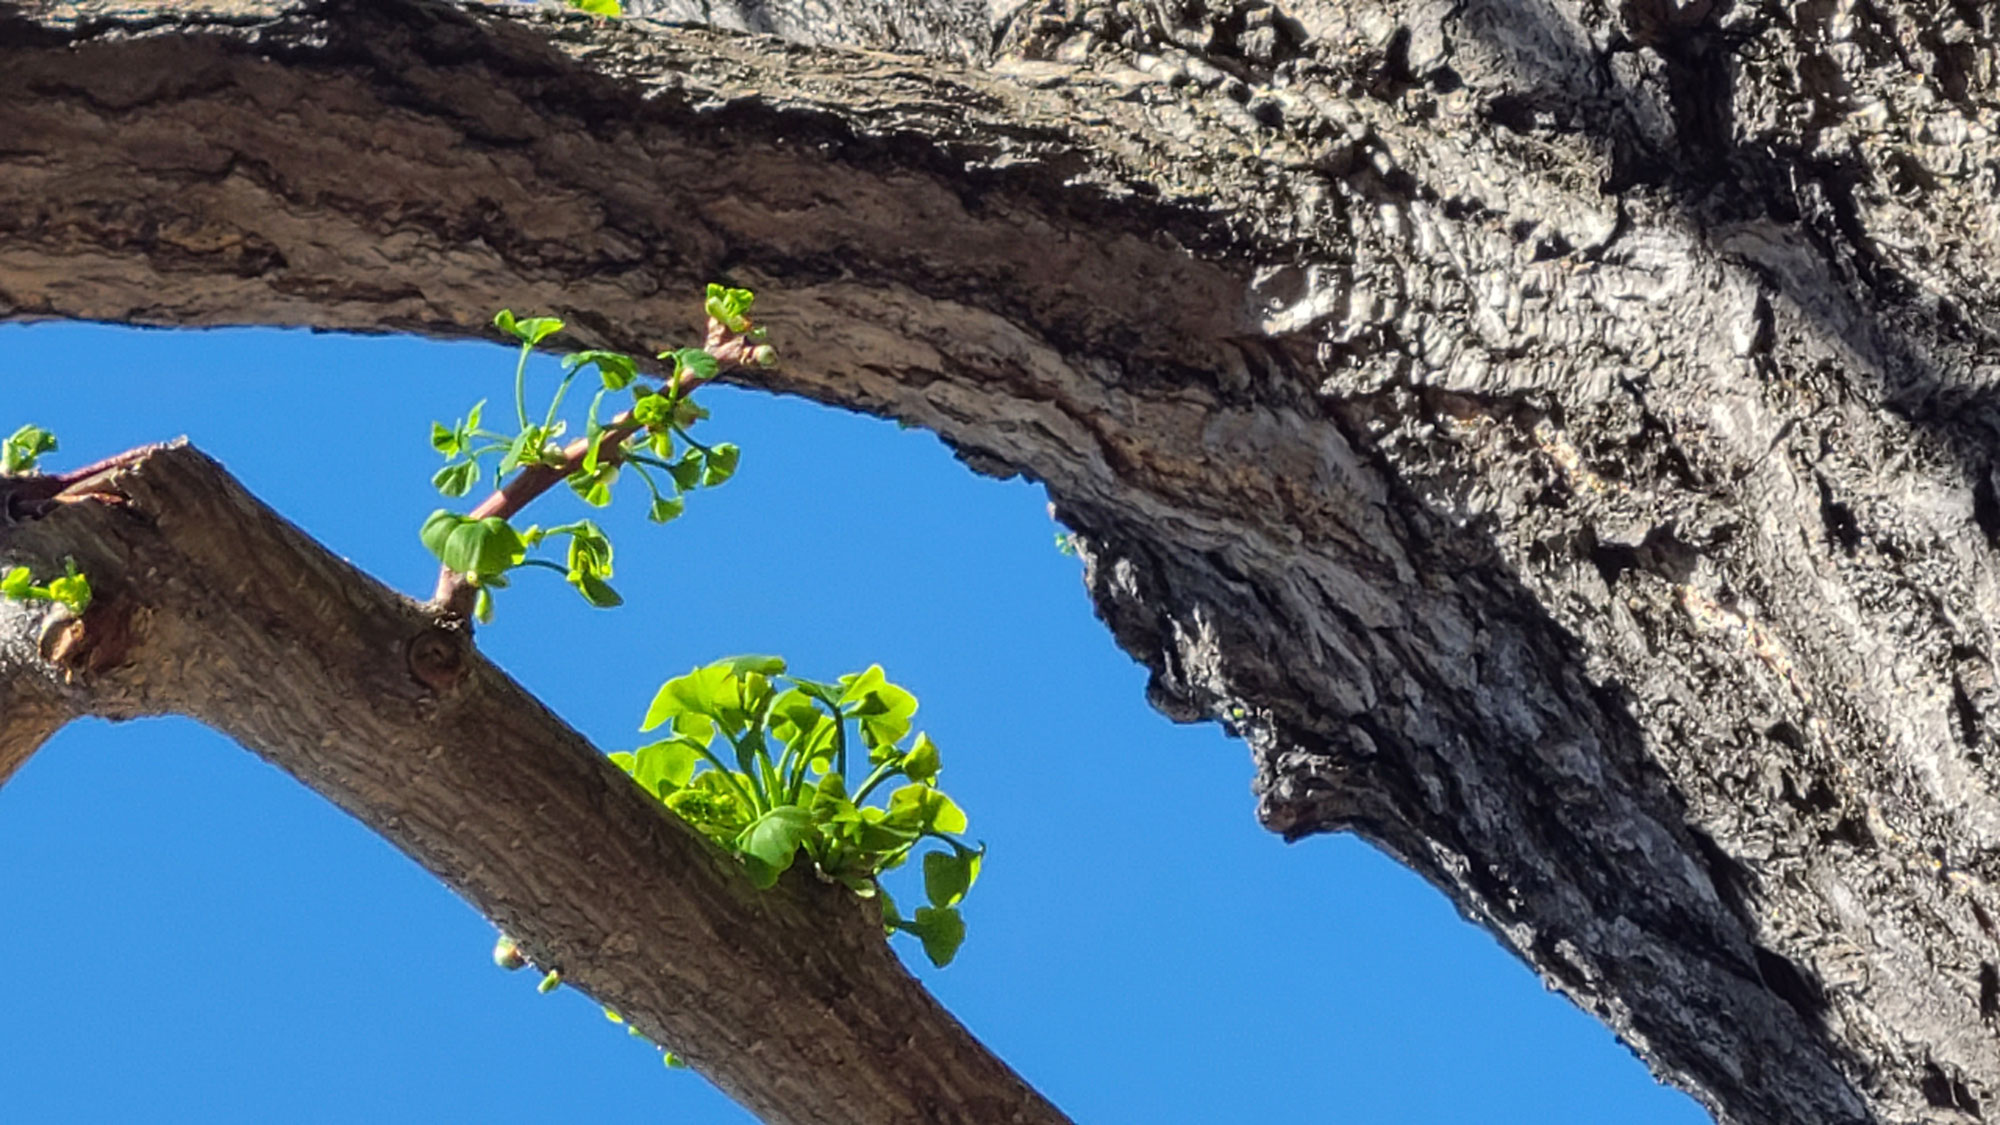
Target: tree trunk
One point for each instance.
(1555, 438)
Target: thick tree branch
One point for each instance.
(211, 606)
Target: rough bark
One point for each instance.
(1555, 436)
(210, 605)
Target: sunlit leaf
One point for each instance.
(949, 875)
(941, 930)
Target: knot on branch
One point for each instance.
(437, 657)
(89, 644)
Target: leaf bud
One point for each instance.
(507, 955)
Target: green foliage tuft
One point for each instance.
(651, 439)
(20, 453)
(69, 589)
(760, 760)
(779, 770)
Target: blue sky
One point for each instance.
(191, 936)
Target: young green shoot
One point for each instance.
(70, 589)
(783, 772)
(478, 550)
(19, 453)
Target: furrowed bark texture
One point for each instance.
(210, 605)
(1555, 436)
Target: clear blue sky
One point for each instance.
(189, 935)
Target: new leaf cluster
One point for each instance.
(650, 438)
(69, 589)
(773, 767)
(19, 454)
(776, 767)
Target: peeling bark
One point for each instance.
(1557, 438)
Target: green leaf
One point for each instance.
(730, 306)
(438, 528)
(704, 692)
(531, 331)
(526, 449)
(594, 486)
(16, 584)
(855, 686)
(593, 433)
(720, 464)
(826, 693)
(751, 664)
(948, 875)
(921, 763)
(831, 790)
(869, 831)
(456, 480)
(666, 509)
(942, 930)
(485, 547)
(596, 590)
(673, 1061)
(21, 451)
(687, 412)
(482, 606)
(885, 710)
(796, 721)
(554, 978)
(653, 411)
(444, 440)
(589, 548)
(921, 806)
(599, 7)
(624, 760)
(72, 590)
(687, 472)
(482, 548)
(665, 766)
(693, 363)
(615, 369)
(774, 838)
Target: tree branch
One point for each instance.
(457, 597)
(211, 606)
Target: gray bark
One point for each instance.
(1556, 438)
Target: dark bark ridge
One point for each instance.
(1554, 437)
(210, 605)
